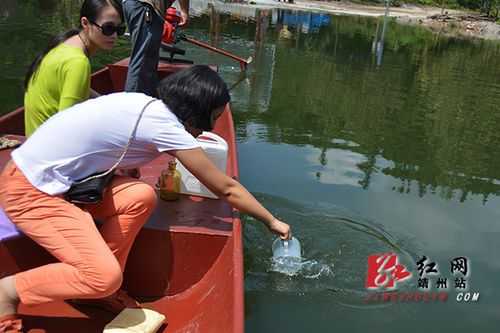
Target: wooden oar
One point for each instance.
(243, 62)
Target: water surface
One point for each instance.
(366, 136)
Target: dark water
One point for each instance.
(365, 138)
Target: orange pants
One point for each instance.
(92, 259)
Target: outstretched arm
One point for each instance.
(197, 162)
(184, 4)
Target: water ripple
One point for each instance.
(335, 247)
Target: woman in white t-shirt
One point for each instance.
(89, 138)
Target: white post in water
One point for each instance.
(380, 42)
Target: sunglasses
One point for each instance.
(108, 28)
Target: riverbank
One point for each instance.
(451, 22)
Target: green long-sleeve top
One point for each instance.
(62, 80)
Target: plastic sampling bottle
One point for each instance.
(287, 248)
(170, 182)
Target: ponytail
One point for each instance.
(53, 43)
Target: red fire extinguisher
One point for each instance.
(172, 19)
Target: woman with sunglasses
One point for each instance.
(91, 260)
(59, 77)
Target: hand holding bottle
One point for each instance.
(280, 228)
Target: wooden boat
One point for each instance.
(186, 263)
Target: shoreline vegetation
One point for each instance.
(450, 18)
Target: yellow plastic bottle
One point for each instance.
(170, 182)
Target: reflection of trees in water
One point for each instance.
(7, 8)
(37, 21)
(429, 110)
(45, 7)
(214, 27)
(48, 6)
(25, 32)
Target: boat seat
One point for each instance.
(7, 229)
(188, 215)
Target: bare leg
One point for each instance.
(8, 296)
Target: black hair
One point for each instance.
(192, 94)
(91, 10)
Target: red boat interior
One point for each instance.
(186, 263)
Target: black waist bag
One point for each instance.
(90, 191)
